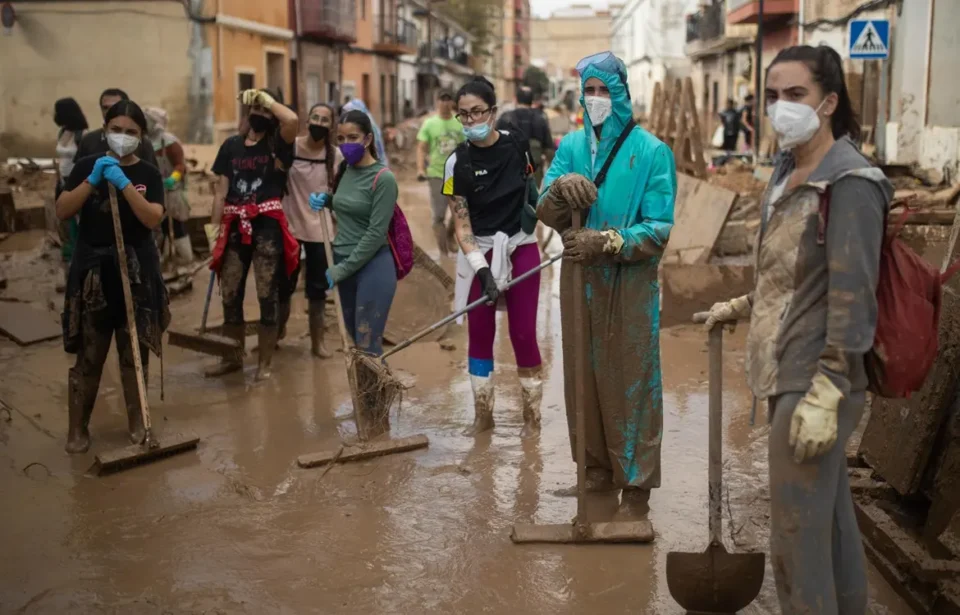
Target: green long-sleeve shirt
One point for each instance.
(363, 217)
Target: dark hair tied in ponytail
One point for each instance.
(826, 66)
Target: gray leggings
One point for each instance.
(366, 297)
(815, 544)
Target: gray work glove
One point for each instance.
(574, 190)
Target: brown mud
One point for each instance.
(237, 527)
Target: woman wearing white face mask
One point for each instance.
(94, 308)
(813, 313)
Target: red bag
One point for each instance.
(399, 238)
(908, 313)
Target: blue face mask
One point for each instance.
(478, 132)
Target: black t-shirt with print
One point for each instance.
(493, 181)
(251, 170)
(96, 221)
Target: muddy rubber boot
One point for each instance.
(79, 408)
(483, 397)
(440, 234)
(267, 338)
(317, 330)
(531, 390)
(233, 364)
(131, 399)
(183, 251)
(599, 480)
(283, 316)
(634, 504)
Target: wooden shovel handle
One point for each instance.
(580, 384)
(131, 316)
(328, 248)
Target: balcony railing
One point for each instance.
(707, 24)
(396, 35)
(444, 50)
(334, 20)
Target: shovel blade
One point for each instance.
(715, 581)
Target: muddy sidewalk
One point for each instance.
(237, 528)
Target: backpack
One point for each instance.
(399, 237)
(909, 291)
(524, 123)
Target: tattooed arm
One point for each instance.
(461, 224)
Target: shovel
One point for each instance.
(715, 581)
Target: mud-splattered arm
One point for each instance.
(551, 210)
(648, 237)
(854, 234)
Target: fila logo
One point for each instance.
(480, 172)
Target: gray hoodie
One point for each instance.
(814, 307)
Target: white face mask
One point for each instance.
(794, 123)
(122, 145)
(598, 108)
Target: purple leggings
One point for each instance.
(521, 302)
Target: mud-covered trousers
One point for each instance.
(93, 354)
(815, 544)
(522, 301)
(366, 298)
(265, 254)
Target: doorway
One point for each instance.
(276, 72)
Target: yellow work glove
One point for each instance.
(813, 427)
(256, 97)
(728, 311)
(213, 233)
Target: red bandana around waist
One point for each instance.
(245, 213)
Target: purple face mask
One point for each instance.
(352, 152)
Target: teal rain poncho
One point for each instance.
(624, 396)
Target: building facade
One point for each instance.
(509, 53)
(649, 36)
(561, 40)
(324, 29)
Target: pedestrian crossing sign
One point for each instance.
(869, 39)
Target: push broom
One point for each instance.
(150, 449)
(374, 388)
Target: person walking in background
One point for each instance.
(746, 113)
(253, 229)
(71, 125)
(487, 181)
(813, 316)
(173, 168)
(94, 309)
(438, 137)
(532, 123)
(730, 118)
(95, 141)
(364, 196)
(626, 225)
(312, 169)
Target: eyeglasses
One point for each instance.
(474, 115)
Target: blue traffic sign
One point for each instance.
(869, 39)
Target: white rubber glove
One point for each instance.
(813, 428)
(728, 311)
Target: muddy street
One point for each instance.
(236, 527)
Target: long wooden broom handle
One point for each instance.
(327, 247)
(131, 315)
(580, 385)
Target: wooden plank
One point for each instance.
(26, 324)
(360, 452)
(900, 436)
(699, 215)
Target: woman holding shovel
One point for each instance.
(315, 159)
(364, 195)
(486, 182)
(94, 309)
(253, 228)
(813, 313)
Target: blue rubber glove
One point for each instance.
(319, 200)
(330, 283)
(102, 163)
(115, 175)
